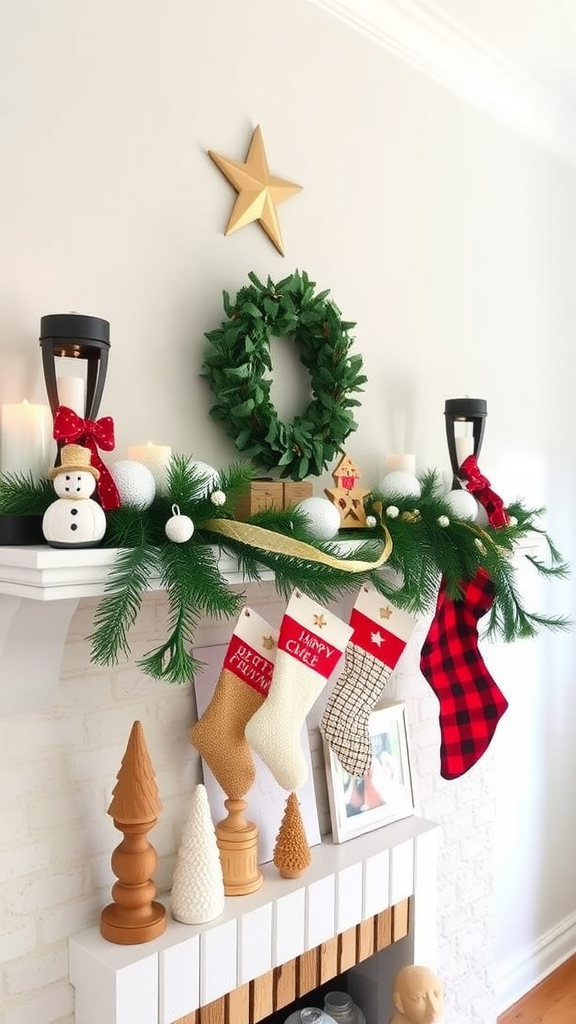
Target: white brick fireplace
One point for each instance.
(61, 742)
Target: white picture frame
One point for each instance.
(362, 804)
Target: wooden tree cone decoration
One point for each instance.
(134, 916)
(291, 852)
(346, 496)
(237, 841)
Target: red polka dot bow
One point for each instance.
(93, 434)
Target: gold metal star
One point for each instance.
(320, 621)
(259, 192)
(268, 643)
(385, 613)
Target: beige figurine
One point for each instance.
(418, 996)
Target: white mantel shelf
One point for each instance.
(189, 966)
(54, 574)
(40, 588)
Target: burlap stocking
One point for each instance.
(219, 734)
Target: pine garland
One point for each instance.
(428, 542)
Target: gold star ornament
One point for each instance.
(259, 192)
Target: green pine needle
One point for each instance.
(119, 607)
(21, 495)
(189, 573)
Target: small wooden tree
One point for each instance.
(291, 851)
(134, 916)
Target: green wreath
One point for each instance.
(239, 359)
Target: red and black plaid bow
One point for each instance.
(69, 428)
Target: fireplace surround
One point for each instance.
(365, 906)
(358, 903)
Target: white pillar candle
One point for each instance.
(464, 447)
(157, 458)
(72, 393)
(26, 439)
(400, 461)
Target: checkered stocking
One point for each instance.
(380, 633)
(345, 720)
(471, 705)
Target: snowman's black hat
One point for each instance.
(75, 459)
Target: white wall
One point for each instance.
(450, 241)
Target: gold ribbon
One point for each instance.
(484, 538)
(279, 544)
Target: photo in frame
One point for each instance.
(385, 794)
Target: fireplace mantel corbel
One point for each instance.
(40, 588)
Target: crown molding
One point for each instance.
(418, 33)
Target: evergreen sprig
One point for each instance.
(430, 543)
(194, 587)
(21, 495)
(238, 361)
(118, 610)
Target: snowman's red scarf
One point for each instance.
(69, 428)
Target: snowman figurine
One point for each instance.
(74, 520)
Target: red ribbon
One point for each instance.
(479, 486)
(93, 434)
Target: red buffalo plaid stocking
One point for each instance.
(471, 705)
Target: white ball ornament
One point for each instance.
(462, 504)
(322, 517)
(135, 483)
(481, 515)
(210, 477)
(400, 484)
(218, 498)
(179, 528)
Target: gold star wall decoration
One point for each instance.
(259, 192)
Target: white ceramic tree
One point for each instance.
(198, 887)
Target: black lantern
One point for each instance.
(73, 336)
(465, 421)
